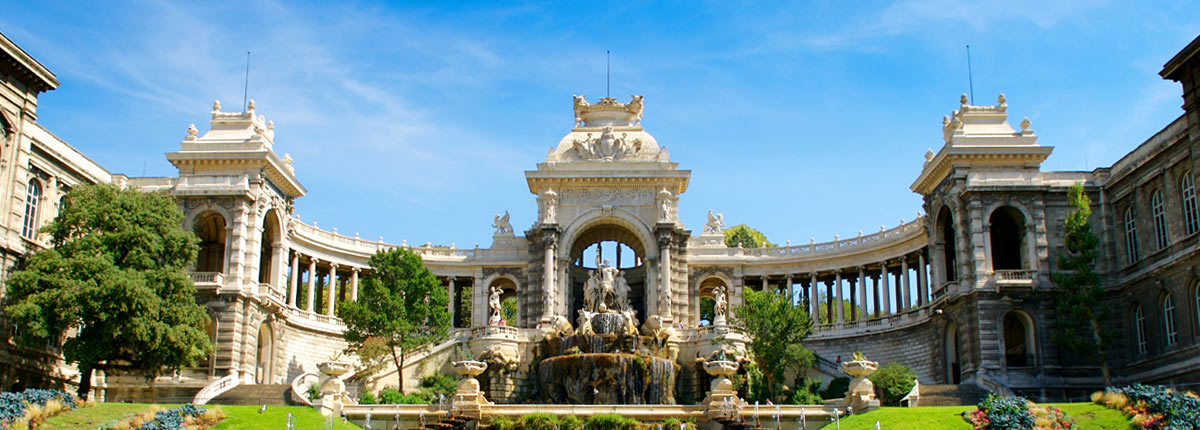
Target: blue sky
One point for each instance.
(416, 120)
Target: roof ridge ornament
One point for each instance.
(608, 112)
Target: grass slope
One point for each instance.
(1087, 416)
(93, 417)
(246, 417)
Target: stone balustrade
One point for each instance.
(207, 279)
(905, 232)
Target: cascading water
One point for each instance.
(607, 368)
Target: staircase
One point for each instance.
(255, 394)
(951, 395)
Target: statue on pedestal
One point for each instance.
(494, 306)
(720, 306)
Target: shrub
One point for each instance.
(187, 416)
(1052, 418)
(438, 383)
(33, 405)
(611, 422)
(313, 392)
(893, 381)
(806, 394)
(537, 421)
(1007, 413)
(836, 388)
(367, 398)
(390, 396)
(570, 422)
(502, 423)
(1160, 407)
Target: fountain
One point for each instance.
(333, 390)
(606, 361)
(860, 396)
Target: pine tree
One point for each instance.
(1080, 299)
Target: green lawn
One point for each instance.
(248, 418)
(1087, 416)
(90, 418)
(237, 417)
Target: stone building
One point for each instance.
(962, 296)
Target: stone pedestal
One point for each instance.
(721, 391)
(468, 399)
(860, 397)
(333, 391)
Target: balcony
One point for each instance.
(212, 280)
(1014, 279)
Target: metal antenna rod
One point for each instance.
(970, 79)
(246, 89)
(607, 73)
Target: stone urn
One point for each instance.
(860, 396)
(721, 387)
(468, 397)
(333, 390)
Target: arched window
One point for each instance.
(1196, 294)
(210, 228)
(33, 198)
(270, 237)
(1188, 194)
(1139, 328)
(1160, 220)
(1168, 307)
(1131, 242)
(1007, 230)
(949, 253)
(1018, 340)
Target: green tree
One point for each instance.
(1080, 299)
(746, 236)
(776, 329)
(116, 281)
(401, 303)
(894, 381)
(508, 309)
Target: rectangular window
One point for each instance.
(1131, 243)
(1188, 192)
(1160, 220)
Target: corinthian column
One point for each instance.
(664, 293)
(329, 304)
(549, 239)
(292, 289)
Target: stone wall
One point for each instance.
(916, 347)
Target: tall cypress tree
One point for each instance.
(1080, 298)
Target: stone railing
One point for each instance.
(371, 246)
(496, 331)
(909, 317)
(207, 279)
(898, 234)
(215, 388)
(1015, 276)
(270, 291)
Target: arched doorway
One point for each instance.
(1018, 340)
(210, 228)
(265, 354)
(1007, 234)
(946, 240)
(707, 297)
(270, 240)
(950, 346)
(616, 246)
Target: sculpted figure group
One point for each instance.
(606, 289)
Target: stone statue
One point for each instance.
(720, 307)
(715, 223)
(551, 202)
(494, 306)
(501, 224)
(608, 276)
(580, 104)
(635, 107)
(590, 289)
(664, 209)
(622, 289)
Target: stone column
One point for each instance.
(862, 295)
(295, 277)
(277, 257)
(837, 303)
(791, 291)
(549, 239)
(922, 280)
(354, 284)
(332, 290)
(312, 284)
(764, 283)
(884, 289)
(878, 311)
(664, 293)
(450, 300)
(812, 297)
(904, 293)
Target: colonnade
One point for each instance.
(339, 281)
(890, 286)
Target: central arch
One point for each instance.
(599, 226)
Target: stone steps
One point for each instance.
(951, 395)
(255, 394)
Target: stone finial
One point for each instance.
(271, 125)
(250, 106)
(945, 120)
(356, 235)
(882, 227)
(192, 131)
(929, 155)
(1000, 100)
(216, 105)
(1025, 125)
(314, 224)
(287, 159)
(836, 238)
(403, 242)
(962, 99)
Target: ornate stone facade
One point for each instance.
(963, 295)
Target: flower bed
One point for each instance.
(189, 417)
(1016, 413)
(1153, 407)
(32, 406)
